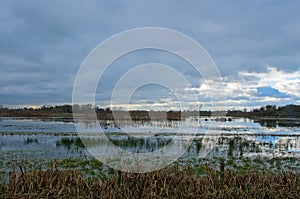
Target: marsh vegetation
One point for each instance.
(47, 158)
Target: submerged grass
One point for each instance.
(170, 182)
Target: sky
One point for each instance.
(254, 44)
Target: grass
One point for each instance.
(31, 140)
(170, 182)
(69, 142)
(86, 177)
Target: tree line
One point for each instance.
(268, 111)
(102, 113)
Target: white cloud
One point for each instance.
(286, 82)
(242, 90)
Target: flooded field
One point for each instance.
(36, 143)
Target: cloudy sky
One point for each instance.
(254, 44)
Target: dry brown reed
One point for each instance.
(167, 183)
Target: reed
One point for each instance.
(166, 183)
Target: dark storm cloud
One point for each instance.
(43, 43)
